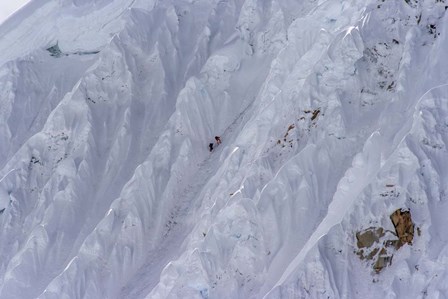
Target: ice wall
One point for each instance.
(108, 189)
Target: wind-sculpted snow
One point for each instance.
(413, 172)
(327, 272)
(107, 186)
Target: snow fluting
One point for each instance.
(332, 114)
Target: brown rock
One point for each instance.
(404, 227)
(315, 114)
(384, 260)
(369, 236)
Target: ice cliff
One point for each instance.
(333, 114)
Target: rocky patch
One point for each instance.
(377, 245)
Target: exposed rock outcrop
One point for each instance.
(378, 245)
(404, 227)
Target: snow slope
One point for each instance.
(107, 186)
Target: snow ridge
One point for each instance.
(108, 189)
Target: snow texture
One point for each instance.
(332, 115)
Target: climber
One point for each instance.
(210, 146)
(218, 140)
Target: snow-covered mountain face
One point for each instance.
(332, 114)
